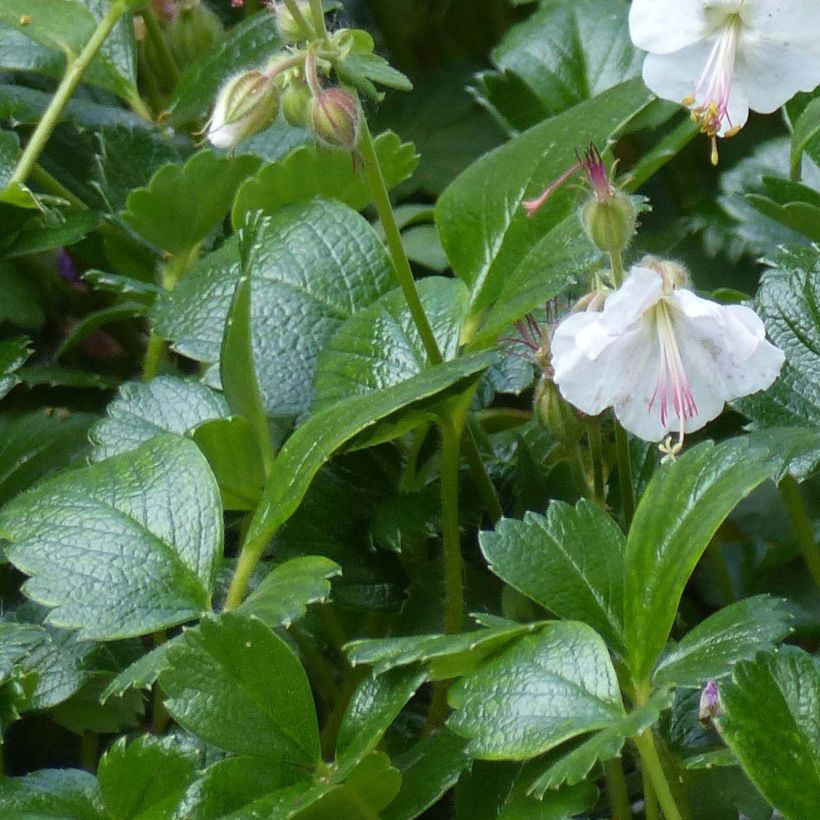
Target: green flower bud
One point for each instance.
(289, 28)
(247, 104)
(335, 118)
(553, 413)
(295, 100)
(195, 32)
(610, 223)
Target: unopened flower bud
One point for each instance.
(334, 116)
(195, 32)
(292, 30)
(673, 274)
(295, 100)
(553, 413)
(610, 222)
(709, 707)
(246, 104)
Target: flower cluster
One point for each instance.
(721, 58)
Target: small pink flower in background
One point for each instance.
(721, 58)
(663, 358)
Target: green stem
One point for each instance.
(407, 483)
(381, 199)
(71, 79)
(482, 480)
(616, 789)
(319, 19)
(575, 460)
(157, 39)
(667, 149)
(299, 18)
(452, 429)
(650, 801)
(245, 565)
(625, 474)
(793, 499)
(617, 265)
(154, 357)
(652, 767)
(596, 448)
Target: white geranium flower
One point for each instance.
(662, 357)
(722, 57)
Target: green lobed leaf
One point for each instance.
(715, 645)
(59, 793)
(570, 561)
(143, 410)
(124, 547)
(237, 685)
(791, 204)
(141, 674)
(806, 134)
(540, 691)
(284, 594)
(317, 264)
(483, 227)
(566, 53)
(789, 304)
(16, 641)
(173, 211)
(324, 433)
(576, 765)
(770, 719)
(380, 346)
(375, 704)
(676, 518)
(57, 230)
(145, 778)
(311, 171)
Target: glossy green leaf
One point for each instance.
(317, 264)
(428, 770)
(441, 653)
(544, 689)
(794, 205)
(141, 674)
(124, 547)
(679, 513)
(324, 433)
(380, 346)
(22, 305)
(16, 641)
(173, 212)
(248, 45)
(59, 793)
(770, 719)
(145, 778)
(576, 765)
(232, 450)
(284, 594)
(33, 445)
(237, 685)
(569, 52)
(13, 355)
(569, 561)
(313, 171)
(237, 371)
(143, 410)
(84, 712)
(789, 304)
(715, 645)
(483, 227)
(52, 232)
(375, 704)
(228, 785)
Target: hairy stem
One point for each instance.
(75, 69)
(617, 265)
(803, 533)
(319, 19)
(596, 448)
(486, 488)
(654, 770)
(616, 789)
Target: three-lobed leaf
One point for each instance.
(571, 561)
(124, 547)
(544, 689)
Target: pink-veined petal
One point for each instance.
(664, 26)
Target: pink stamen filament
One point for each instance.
(673, 386)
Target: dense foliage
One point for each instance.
(310, 508)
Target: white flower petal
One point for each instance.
(662, 27)
(675, 76)
(594, 383)
(642, 289)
